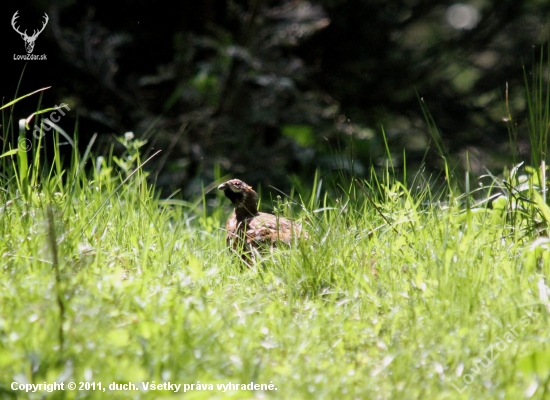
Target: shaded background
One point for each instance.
(270, 90)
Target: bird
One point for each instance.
(249, 231)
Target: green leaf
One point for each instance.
(22, 97)
(542, 206)
(537, 362)
(9, 153)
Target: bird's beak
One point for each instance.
(223, 186)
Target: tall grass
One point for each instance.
(396, 294)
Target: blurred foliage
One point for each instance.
(265, 89)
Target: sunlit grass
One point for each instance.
(395, 294)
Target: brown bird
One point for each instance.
(248, 230)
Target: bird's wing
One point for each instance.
(267, 228)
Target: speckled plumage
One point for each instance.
(249, 230)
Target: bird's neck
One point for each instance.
(246, 206)
(246, 209)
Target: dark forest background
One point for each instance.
(267, 90)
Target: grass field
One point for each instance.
(106, 286)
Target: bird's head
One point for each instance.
(243, 197)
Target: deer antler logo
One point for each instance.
(29, 40)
